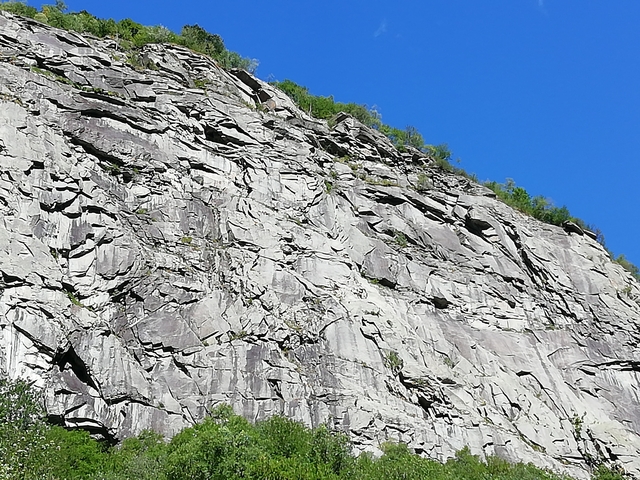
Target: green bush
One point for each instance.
(393, 362)
(326, 107)
(537, 207)
(442, 156)
(331, 451)
(198, 39)
(74, 454)
(23, 441)
(133, 35)
(628, 266)
(283, 437)
(424, 182)
(605, 473)
(224, 446)
(140, 458)
(19, 8)
(399, 463)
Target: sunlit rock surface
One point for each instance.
(176, 236)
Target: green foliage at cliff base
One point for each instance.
(224, 446)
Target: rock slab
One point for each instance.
(181, 236)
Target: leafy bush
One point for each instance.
(424, 182)
(393, 362)
(22, 430)
(326, 107)
(198, 39)
(398, 463)
(537, 207)
(401, 239)
(140, 458)
(605, 473)
(223, 446)
(628, 266)
(403, 138)
(442, 156)
(544, 210)
(19, 8)
(74, 454)
(133, 35)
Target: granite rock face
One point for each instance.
(174, 236)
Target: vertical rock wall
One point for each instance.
(166, 247)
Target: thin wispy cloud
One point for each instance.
(541, 6)
(382, 29)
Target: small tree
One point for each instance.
(23, 441)
(413, 138)
(197, 38)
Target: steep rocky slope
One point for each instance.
(166, 247)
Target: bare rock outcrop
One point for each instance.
(176, 236)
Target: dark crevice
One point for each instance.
(216, 136)
(331, 147)
(428, 210)
(440, 302)
(118, 293)
(476, 226)
(385, 282)
(100, 432)
(71, 360)
(35, 165)
(385, 199)
(426, 404)
(59, 206)
(534, 272)
(612, 455)
(10, 280)
(275, 387)
(98, 209)
(104, 97)
(182, 367)
(102, 156)
(97, 113)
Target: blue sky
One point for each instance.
(546, 92)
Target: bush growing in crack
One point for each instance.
(401, 239)
(393, 362)
(423, 183)
(385, 182)
(328, 186)
(72, 297)
(578, 422)
(238, 335)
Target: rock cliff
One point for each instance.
(174, 235)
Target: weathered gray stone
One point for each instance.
(164, 248)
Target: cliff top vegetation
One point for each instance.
(133, 35)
